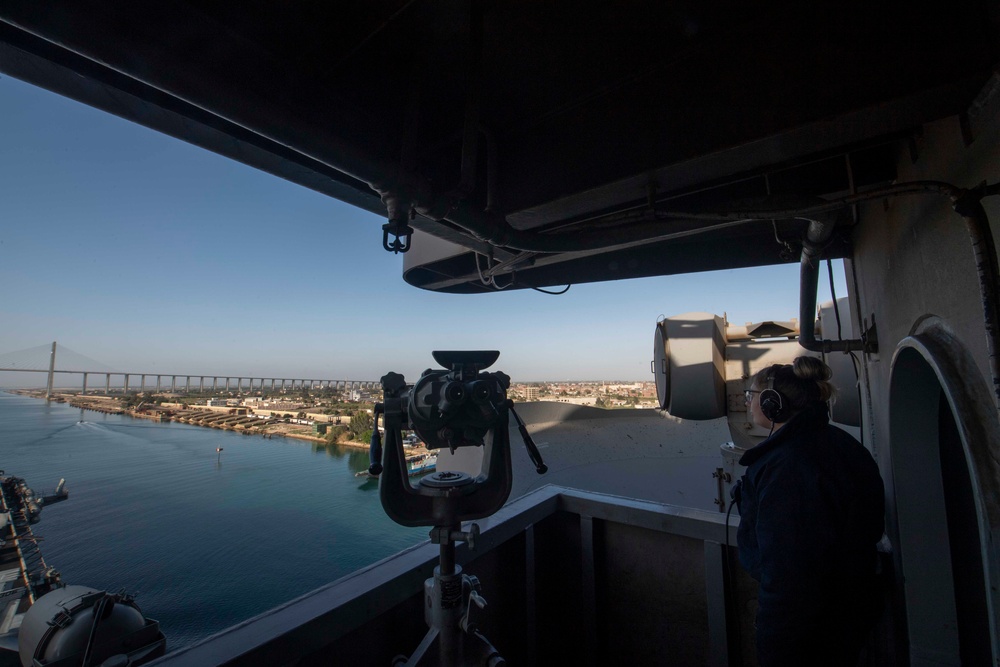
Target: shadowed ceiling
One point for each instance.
(562, 141)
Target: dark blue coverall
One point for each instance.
(811, 513)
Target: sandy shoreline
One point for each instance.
(314, 438)
(267, 431)
(114, 407)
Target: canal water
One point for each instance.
(204, 544)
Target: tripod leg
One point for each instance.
(478, 652)
(424, 653)
(485, 653)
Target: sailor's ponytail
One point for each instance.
(811, 369)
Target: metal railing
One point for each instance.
(571, 577)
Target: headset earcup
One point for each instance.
(771, 404)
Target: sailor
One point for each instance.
(811, 513)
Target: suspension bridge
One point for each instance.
(42, 359)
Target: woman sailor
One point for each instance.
(811, 513)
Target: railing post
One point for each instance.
(588, 590)
(530, 597)
(717, 587)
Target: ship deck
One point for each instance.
(586, 575)
(571, 577)
(24, 574)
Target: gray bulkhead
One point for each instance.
(930, 407)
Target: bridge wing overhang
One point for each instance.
(573, 142)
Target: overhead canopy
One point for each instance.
(564, 141)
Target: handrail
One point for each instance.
(309, 623)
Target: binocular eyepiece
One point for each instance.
(457, 407)
(463, 406)
(481, 392)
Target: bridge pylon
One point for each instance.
(52, 372)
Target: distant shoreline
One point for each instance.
(110, 405)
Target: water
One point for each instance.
(204, 544)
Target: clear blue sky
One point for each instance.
(152, 255)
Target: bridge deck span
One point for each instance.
(247, 382)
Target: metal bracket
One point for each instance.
(61, 619)
(869, 336)
(399, 212)
(473, 598)
(402, 236)
(722, 478)
(445, 535)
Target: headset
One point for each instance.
(773, 404)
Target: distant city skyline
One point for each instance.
(147, 253)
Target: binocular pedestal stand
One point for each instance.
(450, 597)
(460, 407)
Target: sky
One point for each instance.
(152, 255)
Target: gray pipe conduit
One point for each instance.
(966, 203)
(629, 227)
(970, 207)
(817, 235)
(494, 229)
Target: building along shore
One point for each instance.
(236, 419)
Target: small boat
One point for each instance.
(417, 464)
(421, 464)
